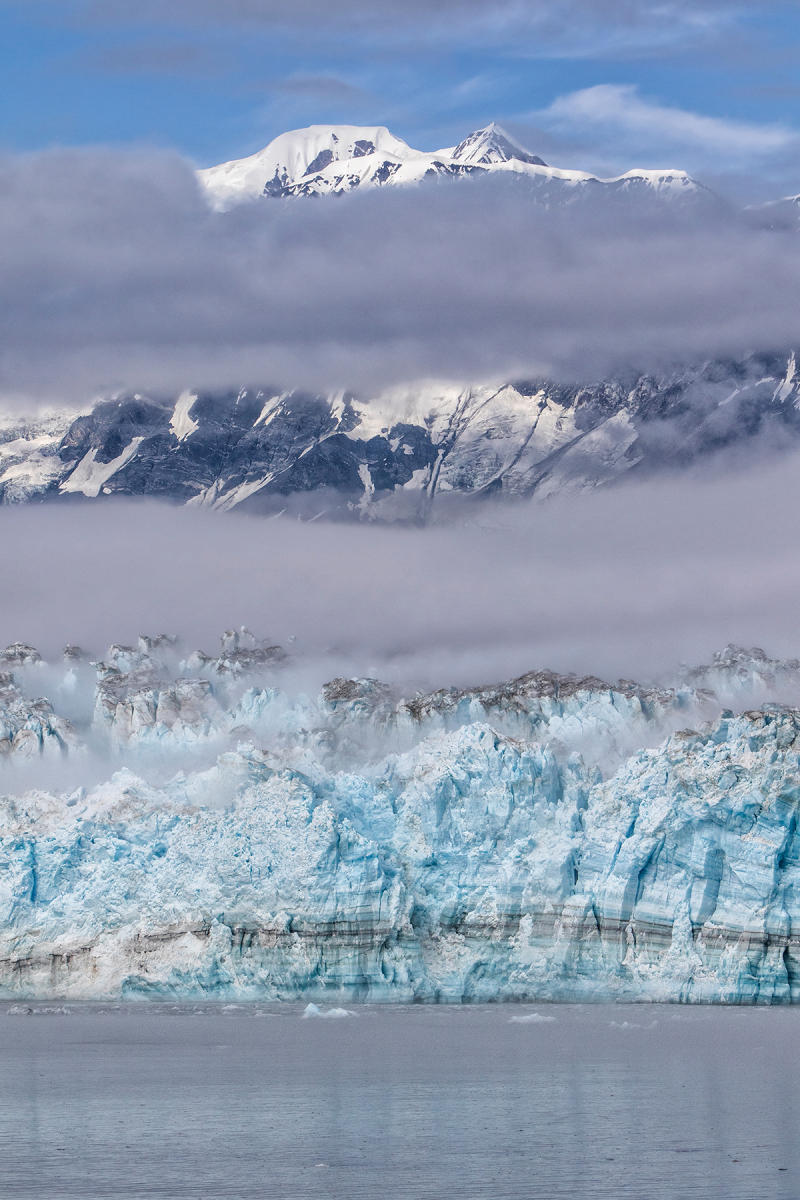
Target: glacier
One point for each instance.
(188, 825)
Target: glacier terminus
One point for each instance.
(188, 825)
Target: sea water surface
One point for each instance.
(161, 1102)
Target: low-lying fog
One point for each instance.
(627, 582)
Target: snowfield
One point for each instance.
(324, 160)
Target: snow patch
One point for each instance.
(785, 388)
(181, 422)
(89, 476)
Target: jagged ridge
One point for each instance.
(398, 453)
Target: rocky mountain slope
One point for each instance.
(400, 453)
(180, 824)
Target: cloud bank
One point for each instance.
(115, 274)
(630, 583)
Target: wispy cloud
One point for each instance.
(318, 87)
(156, 58)
(619, 111)
(531, 27)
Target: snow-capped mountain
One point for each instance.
(397, 452)
(327, 159)
(550, 837)
(400, 453)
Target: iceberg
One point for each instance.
(191, 826)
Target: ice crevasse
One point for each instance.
(549, 838)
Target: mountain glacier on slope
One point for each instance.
(184, 825)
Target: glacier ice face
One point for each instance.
(192, 825)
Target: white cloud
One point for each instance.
(618, 110)
(115, 274)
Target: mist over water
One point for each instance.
(627, 582)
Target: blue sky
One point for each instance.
(116, 274)
(709, 86)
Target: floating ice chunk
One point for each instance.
(632, 1025)
(336, 1014)
(534, 1018)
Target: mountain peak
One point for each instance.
(493, 145)
(324, 160)
(296, 154)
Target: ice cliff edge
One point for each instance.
(192, 828)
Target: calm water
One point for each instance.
(162, 1102)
